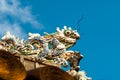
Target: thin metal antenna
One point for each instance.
(78, 23)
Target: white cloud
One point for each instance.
(12, 28)
(19, 14)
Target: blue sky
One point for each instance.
(99, 28)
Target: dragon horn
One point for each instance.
(29, 33)
(65, 27)
(69, 28)
(58, 29)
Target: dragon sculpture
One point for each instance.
(48, 51)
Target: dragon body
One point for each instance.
(50, 48)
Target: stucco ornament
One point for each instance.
(49, 48)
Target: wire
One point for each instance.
(78, 23)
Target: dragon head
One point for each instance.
(69, 32)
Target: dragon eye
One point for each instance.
(68, 32)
